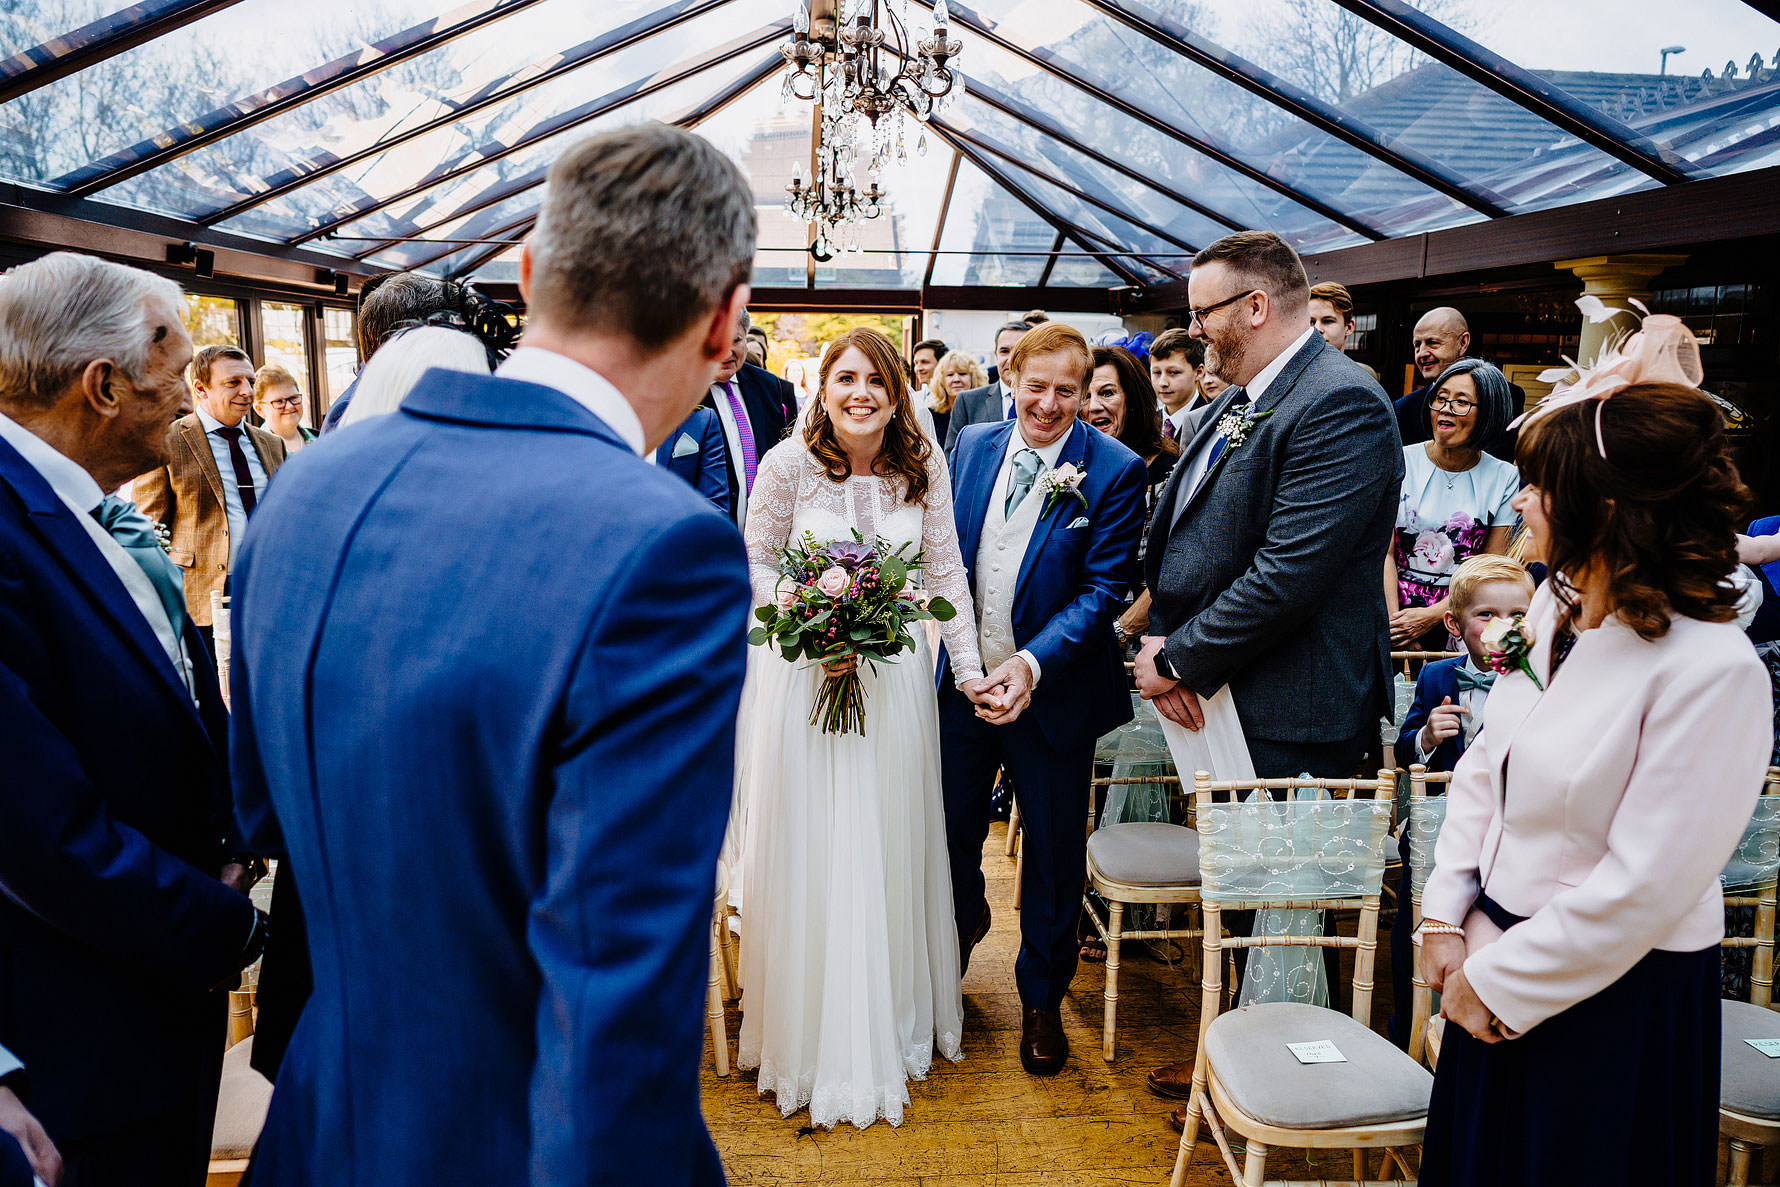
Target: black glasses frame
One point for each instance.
(1199, 315)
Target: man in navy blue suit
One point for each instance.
(755, 409)
(122, 912)
(489, 662)
(1049, 510)
(695, 452)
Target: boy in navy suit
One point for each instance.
(1448, 710)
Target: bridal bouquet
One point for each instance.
(839, 603)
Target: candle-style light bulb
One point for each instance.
(800, 18)
(940, 15)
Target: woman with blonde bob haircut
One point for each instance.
(849, 951)
(1574, 914)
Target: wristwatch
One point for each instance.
(1165, 669)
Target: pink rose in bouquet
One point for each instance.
(841, 603)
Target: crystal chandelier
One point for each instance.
(859, 63)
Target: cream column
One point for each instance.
(1616, 280)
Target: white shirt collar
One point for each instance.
(1257, 387)
(65, 476)
(210, 423)
(582, 384)
(1016, 441)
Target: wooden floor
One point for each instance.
(984, 1121)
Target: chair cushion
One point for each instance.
(1378, 1083)
(1146, 854)
(240, 1105)
(1749, 1080)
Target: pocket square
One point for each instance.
(1080, 521)
(685, 446)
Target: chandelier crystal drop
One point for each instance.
(861, 62)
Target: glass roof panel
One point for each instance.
(994, 73)
(1419, 103)
(42, 28)
(1080, 271)
(984, 220)
(768, 135)
(361, 119)
(1715, 102)
(1104, 230)
(486, 196)
(992, 128)
(202, 75)
(1153, 77)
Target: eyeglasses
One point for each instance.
(1199, 315)
(286, 402)
(1456, 407)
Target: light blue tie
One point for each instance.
(135, 533)
(1469, 680)
(1027, 464)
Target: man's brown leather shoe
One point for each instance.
(1043, 1047)
(1174, 1081)
(982, 930)
(1177, 1121)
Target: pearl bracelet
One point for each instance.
(1441, 929)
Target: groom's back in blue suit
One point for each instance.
(487, 669)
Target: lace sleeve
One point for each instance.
(771, 505)
(944, 575)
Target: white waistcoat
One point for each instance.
(999, 558)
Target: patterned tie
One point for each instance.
(750, 459)
(1027, 464)
(135, 533)
(1168, 429)
(1469, 680)
(238, 459)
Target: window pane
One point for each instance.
(287, 344)
(1609, 56)
(1081, 272)
(1151, 76)
(358, 118)
(337, 326)
(1423, 105)
(505, 189)
(43, 27)
(986, 219)
(199, 76)
(212, 321)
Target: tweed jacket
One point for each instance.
(186, 495)
(1266, 576)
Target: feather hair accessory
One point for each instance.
(1661, 350)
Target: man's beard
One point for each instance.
(1225, 355)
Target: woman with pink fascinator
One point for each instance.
(1574, 913)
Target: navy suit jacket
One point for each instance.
(1437, 681)
(488, 666)
(695, 451)
(771, 404)
(114, 814)
(1072, 581)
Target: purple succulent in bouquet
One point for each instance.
(849, 554)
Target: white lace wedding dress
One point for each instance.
(849, 962)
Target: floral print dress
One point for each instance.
(1444, 519)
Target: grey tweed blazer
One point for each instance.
(1269, 577)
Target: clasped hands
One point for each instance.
(22, 1127)
(1002, 695)
(1443, 963)
(1172, 699)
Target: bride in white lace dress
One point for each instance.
(849, 949)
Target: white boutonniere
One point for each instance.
(1508, 647)
(1065, 479)
(1235, 425)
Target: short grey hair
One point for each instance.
(403, 358)
(643, 231)
(61, 312)
(747, 322)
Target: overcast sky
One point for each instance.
(1627, 34)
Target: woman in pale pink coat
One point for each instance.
(1574, 913)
